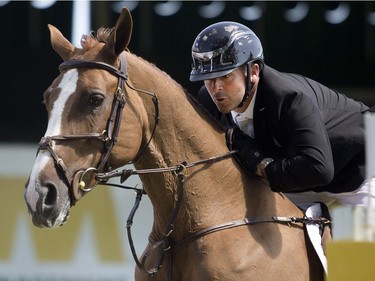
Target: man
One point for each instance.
(301, 136)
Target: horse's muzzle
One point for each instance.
(45, 204)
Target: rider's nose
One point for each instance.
(215, 85)
(218, 86)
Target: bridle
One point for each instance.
(108, 136)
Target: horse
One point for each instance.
(108, 108)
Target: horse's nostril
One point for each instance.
(51, 195)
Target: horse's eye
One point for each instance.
(96, 100)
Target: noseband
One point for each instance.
(108, 136)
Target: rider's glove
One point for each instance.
(249, 153)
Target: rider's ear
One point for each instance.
(121, 34)
(255, 70)
(60, 44)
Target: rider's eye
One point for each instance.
(96, 100)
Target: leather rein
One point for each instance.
(103, 172)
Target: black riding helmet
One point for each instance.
(221, 48)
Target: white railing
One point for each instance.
(358, 223)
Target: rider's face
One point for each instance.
(227, 92)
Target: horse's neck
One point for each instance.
(185, 133)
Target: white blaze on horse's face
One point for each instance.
(43, 197)
(68, 86)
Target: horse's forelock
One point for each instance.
(102, 35)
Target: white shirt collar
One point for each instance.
(249, 112)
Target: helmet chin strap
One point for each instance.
(249, 86)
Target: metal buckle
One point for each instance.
(82, 182)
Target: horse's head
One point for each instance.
(84, 105)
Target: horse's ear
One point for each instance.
(60, 44)
(121, 34)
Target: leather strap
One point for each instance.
(246, 221)
(120, 73)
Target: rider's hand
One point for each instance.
(249, 153)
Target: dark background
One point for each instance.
(342, 55)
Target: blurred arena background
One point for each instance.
(332, 42)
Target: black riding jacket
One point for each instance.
(314, 134)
